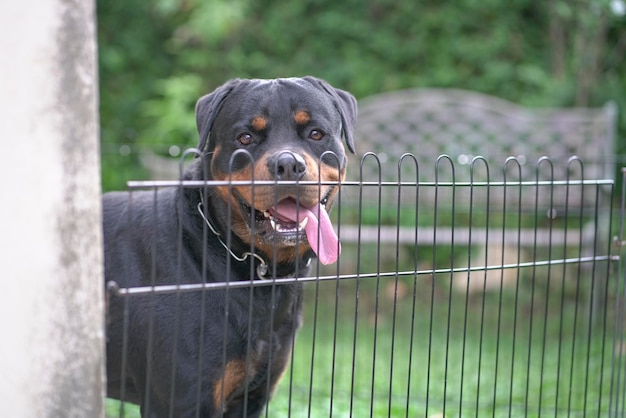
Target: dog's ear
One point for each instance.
(346, 105)
(207, 108)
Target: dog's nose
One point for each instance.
(287, 166)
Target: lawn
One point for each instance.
(418, 350)
(488, 362)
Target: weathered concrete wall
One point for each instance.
(51, 291)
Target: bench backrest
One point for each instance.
(462, 125)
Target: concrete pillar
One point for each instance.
(51, 290)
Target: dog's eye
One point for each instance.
(316, 135)
(245, 139)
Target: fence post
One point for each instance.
(51, 291)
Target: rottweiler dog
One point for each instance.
(221, 352)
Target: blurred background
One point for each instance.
(157, 58)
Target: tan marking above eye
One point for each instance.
(259, 123)
(302, 117)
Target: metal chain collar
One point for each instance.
(261, 268)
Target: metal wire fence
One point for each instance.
(455, 296)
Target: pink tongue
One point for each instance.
(319, 231)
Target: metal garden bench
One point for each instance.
(456, 139)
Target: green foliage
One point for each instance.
(131, 36)
(158, 58)
(170, 112)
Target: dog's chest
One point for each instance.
(270, 311)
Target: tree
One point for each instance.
(158, 58)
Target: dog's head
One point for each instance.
(287, 133)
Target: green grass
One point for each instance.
(488, 357)
(476, 369)
(112, 409)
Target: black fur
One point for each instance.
(219, 351)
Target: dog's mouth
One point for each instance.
(289, 223)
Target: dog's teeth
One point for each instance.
(266, 214)
(280, 227)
